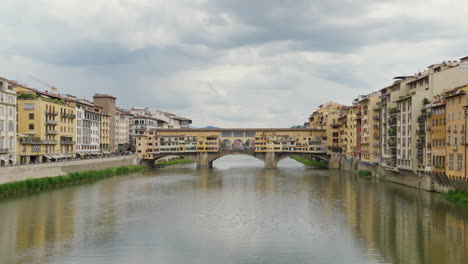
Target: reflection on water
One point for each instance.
(237, 212)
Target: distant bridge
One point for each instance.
(206, 145)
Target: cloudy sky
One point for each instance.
(229, 63)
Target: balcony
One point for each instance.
(376, 126)
(53, 113)
(51, 132)
(392, 145)
(376, 117)
(421, 132)
(71, 116)
(420, 145)
(394, 111)
(67, 142)
(51, 122)
(392, 123)
(3, 150)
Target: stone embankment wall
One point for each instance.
(422, 180)
(24, 172)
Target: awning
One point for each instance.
(48, 156)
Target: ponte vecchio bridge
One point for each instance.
(206, 145)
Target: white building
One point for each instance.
(7, 123)
(123, 121)
(88, 121)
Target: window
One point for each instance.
(11, 127)
(31, 116)
(451, 161)
(1, 110)
(31, 126)
(28, 106)
(35, 148)
(460, 162)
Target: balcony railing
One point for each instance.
(36, 141)
(72, 116)
(3, 150)
(51, 132)
(66, 142)
(54, 113)
(51, 122)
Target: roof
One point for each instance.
(419, 77)
(148, 117)
(456, 91)
(103, 96)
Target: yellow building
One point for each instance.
(370, 128)
(318, 119)
(46, 126)
(105, 134)
(456, 102)
(438, 135)
(343, 130)
(351, 128)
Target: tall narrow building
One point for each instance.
(108, 104)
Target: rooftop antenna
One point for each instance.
(54, 89)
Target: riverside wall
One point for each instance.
(421, 180)
(32, 171)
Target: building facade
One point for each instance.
(123, 122)
(7, 123)
(46, 126)
(88, 132)
(108, 105)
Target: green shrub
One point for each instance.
(313, 163)
(32, 185)
(365, 173)
(458, 196)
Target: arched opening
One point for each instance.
(2, 163)
(226, 145)
(249, 144)
(289, 163)
(237, 161)
(238, 145)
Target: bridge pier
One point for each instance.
(270, 160)
(203, 161)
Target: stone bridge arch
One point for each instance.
(271, 159)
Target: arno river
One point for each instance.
(237, 212)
